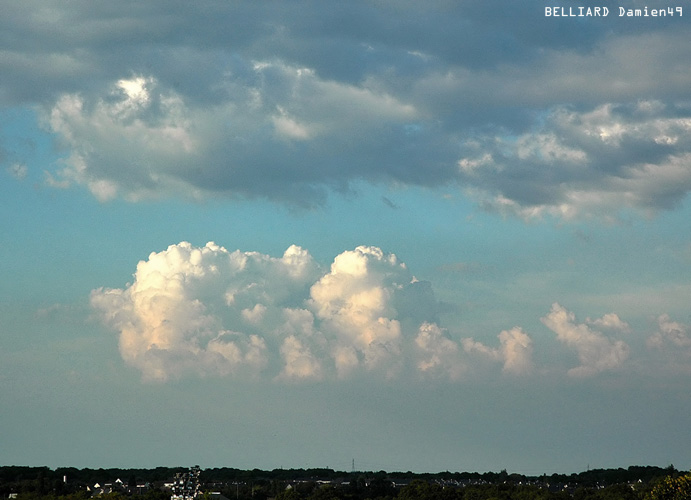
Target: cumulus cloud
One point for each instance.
(272, 134)
(515, 351)
(354, 301)
(670, 333)
(596, 352)
(610, 321)
(586, 163)
(672, 343)
(208, 311)
(274, 131)
(438, 354)
(127, 143)
(247, 100)
(172, 320)
(299, 362)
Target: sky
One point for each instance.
(425, 236)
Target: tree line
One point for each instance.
(633, 483)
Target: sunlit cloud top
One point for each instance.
(207, 311)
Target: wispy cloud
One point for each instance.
(18, 170)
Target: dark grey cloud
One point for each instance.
(343, 41)
(590, 162)
(291, 101)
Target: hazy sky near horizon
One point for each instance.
(450, 235)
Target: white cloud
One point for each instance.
(238, 353)
(303, 349)
(596, 352)
(254, 315)
(610, 321)
(438, 354)
(472, 346)
(672, 345)
(137, 95)
(125, 143)
(345, 359)
(299, 362)
(355, 303)
(515, 351)
(208, 311)
(670, 332)
(174, 318)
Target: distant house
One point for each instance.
(97, 489)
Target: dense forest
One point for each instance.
(633, 483)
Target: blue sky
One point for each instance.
(450, 236)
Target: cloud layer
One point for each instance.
(589, 162)
(206, 311)
(528, 115)
(274, 134)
